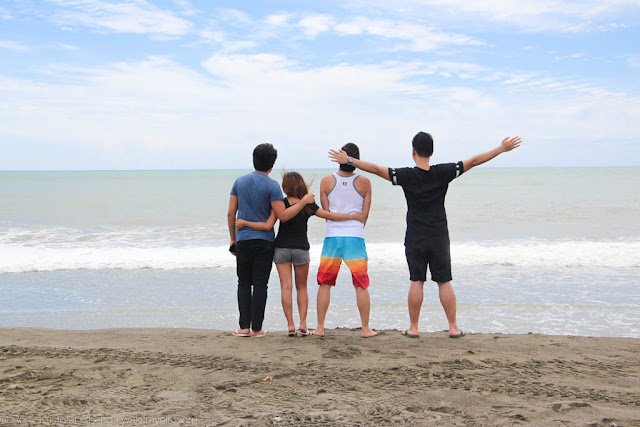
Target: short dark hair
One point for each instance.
(423, 144)
(353, 151)
(264, 156)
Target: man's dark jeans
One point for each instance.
(254, 259)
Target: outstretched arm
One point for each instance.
(339, 156)
(507, 144)
(262, 226)
(285, 214)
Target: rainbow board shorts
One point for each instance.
(352, 251)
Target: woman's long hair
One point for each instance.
(293, 185)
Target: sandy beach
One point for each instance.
(206, 377)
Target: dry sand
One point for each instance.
(205, 377)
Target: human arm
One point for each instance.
(231, 218)
(285, 214)
(507, 144)
(340, 156)
(326, 184)
(262, 226)
(363, 185)
(334, 216)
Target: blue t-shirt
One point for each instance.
(255, 192)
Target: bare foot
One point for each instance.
(319, 332)
(368, 333)
(261, 333)
(241, 332)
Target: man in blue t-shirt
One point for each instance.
(427, 237)
(253, 197)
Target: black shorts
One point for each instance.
(429, 251)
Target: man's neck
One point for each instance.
(264, 173)
(343, 173)
(422, 162)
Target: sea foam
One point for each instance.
(18, 258)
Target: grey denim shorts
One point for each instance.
(296, 256)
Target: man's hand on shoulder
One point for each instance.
(308, 199)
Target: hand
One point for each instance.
(308, 198)
(240, 223)
(339, 156)
(359, 217)
(509, 144)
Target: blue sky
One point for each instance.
(180, 84)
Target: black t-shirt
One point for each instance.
(425, 192)
(293, 233)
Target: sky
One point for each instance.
(186, 84)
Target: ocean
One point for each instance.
(542, 250)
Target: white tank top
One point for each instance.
(344, 198)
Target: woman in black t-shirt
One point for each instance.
(292, 247)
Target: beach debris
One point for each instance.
(16, 387)
(265, 379)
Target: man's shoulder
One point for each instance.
(260, 177)
(405, 171)
(327, 179)
(443, 165)
(245, 177)
(405, 168)
(362, 180)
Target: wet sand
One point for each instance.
(206, 377)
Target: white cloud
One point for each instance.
(572, 56)
(137, 17)
(219, 38)
(234, 16)
(4, 14)
(531, 15)
(12, 45)
(315, 24)
(633, 60)
(420, 38)
(410, 36)
(67, 47)
(187, 7)
(277, 20)
(165, 107)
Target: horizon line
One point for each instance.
(304, 168)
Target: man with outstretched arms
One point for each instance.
(427, 236)
(348, 193)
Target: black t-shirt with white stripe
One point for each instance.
(425, 191)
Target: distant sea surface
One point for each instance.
(543, 250)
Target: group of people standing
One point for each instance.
(256, 203)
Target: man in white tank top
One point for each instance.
(348, 193)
